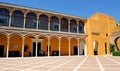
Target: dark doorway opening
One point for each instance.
(39, 50)
(83, 52)
(95, 53)
(55, 53)
(1, 50)
(105, 48)
(75, 50)
(14, 53)
(34, 49)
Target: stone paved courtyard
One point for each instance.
(63, 63)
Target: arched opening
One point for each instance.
(105, 48)
(117, 43)
(28, 45)
(31, 20)
(43, 45)
(64, 25)
(73, 46)
(64, 46)
(54, 23)
(3, 45)
(17, 19)
(54, 42)
(15, 49)
(95, 46)
(82, 47)
(73, 26)
(81, 27)
(4, 17)
(43, 22)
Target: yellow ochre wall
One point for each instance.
(64, 46)
(54, 44)
(28, 43)
(3, 41)
(98, 28)
(73, 43)
(16, 43)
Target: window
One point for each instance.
(17, 19)
(43, 22)
(56, 26)
(64, 25)
(4, 17)
(73, 26)
(54, 23)
(81, 27)
(31, 20)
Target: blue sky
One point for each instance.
(83, 8)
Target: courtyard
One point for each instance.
(62, 63)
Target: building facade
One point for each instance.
(26, 32)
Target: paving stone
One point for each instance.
(45, 63)
(88, 69)
(63, 69)
(90, 65)
(111, 66)
(112, 69)
(41, 68)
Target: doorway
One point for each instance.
(75, 50)
(105, 48)
(95, 52)
(38, 49)
(95, 45)
(1, 50)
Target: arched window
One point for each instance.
(64, 25)
(31, 20)
(81, 27)
(54, 23)
(43, 22)
(4, 17)
(73, 26)
(17, 19)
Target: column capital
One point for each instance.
(69, 38)
(37, 17)
(59, 37)
(10, 14)
(24, 16)
(68, 22)
(77, 22)
(78, 38)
